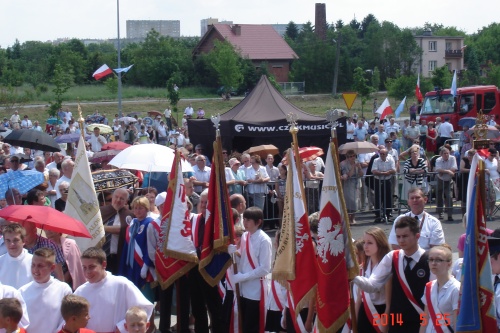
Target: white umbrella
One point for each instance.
(149, 158)
(359, 147)
(128, 120)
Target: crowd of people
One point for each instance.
(429, 156)
(115, 287)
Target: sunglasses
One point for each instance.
(224, 152)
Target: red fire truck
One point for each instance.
(463, 108)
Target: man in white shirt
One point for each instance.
(391, 126)
(272, 171)
(188, 111)
(64, 125)
(37, 126)
(15, 265)
(360, 132)
(365, 193)
(445, 132)
(44, 292)
(446, 166)
(97, 140)
(492, 121)
(109, 296)
(383, 169)
(431, 230)
(58, 158)
(168, 115)
(201, 174)
(15, 120)
(26, 123)
(350, 127)
(382, 135)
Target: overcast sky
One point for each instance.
(45, 20)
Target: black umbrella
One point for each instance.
(28, 138)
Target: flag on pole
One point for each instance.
(295, 256)
(123, 70)
(335, 252)
(477, 307)
(101, 72)
(400, 107)
(454, 84)
(214, 259)
(384, 109)
(175, 254)
(82, 203)
(418, 93)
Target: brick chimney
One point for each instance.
(236, 29)
(320, 21)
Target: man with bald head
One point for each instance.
(383, 169)
(114, 217)
(239, 203)
(67, 170)
(58, 158)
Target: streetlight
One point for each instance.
(336, 72)
(119, 59)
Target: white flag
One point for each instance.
(82, 201)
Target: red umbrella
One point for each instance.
(310, 153)
(47, 218)
(307, 154)
(104, 156)
(115, 145)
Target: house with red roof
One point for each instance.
(257, 42)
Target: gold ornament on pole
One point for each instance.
(81, 120)
(481, 131)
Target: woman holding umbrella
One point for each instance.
(351, 172)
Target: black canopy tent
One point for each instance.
(260, 118)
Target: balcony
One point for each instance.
(453, 54)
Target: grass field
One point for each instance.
(142, 100)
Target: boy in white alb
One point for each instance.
(109, 296)
(15, 265)
(11, 292)
(45, 293)
(253, 267)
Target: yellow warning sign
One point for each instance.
(349, 98)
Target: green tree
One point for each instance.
(441, 77)
(62, 81)
(173, 94)
(292, 31)
(376, 79)
(225, 61)
(361, 86)
(472, 74)
(493, 75)
(401, 86)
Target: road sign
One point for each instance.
(349, 98)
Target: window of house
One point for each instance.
(432, 65)
(433, 46)
(489, 101)
(448, 46)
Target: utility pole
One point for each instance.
(119, 60)
(336, 71)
